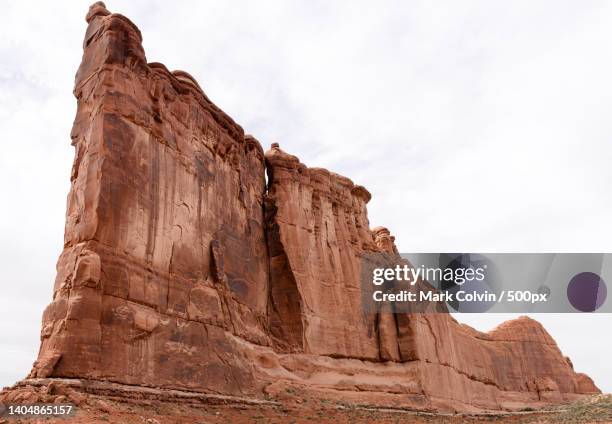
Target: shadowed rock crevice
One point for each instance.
(285, 307)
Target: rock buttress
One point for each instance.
(164, 251)
(318, 230)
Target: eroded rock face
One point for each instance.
(319, 227)
(182, 269)
(165, 252)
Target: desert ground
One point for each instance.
(110, 408)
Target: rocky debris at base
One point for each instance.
(103, 402)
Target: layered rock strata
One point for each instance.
(182, 268)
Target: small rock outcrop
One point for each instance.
(184, 269)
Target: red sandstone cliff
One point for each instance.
(182, 269)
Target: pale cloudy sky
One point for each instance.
(479, 126)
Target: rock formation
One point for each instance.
(183, 269)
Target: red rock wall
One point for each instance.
(182, 269)
(320, 227)
(164, 250)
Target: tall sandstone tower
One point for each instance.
(182, 268)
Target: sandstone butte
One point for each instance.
(184, 269)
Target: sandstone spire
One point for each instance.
(182, 269)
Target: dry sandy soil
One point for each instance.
(96, 408)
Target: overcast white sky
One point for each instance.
(478, 126)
